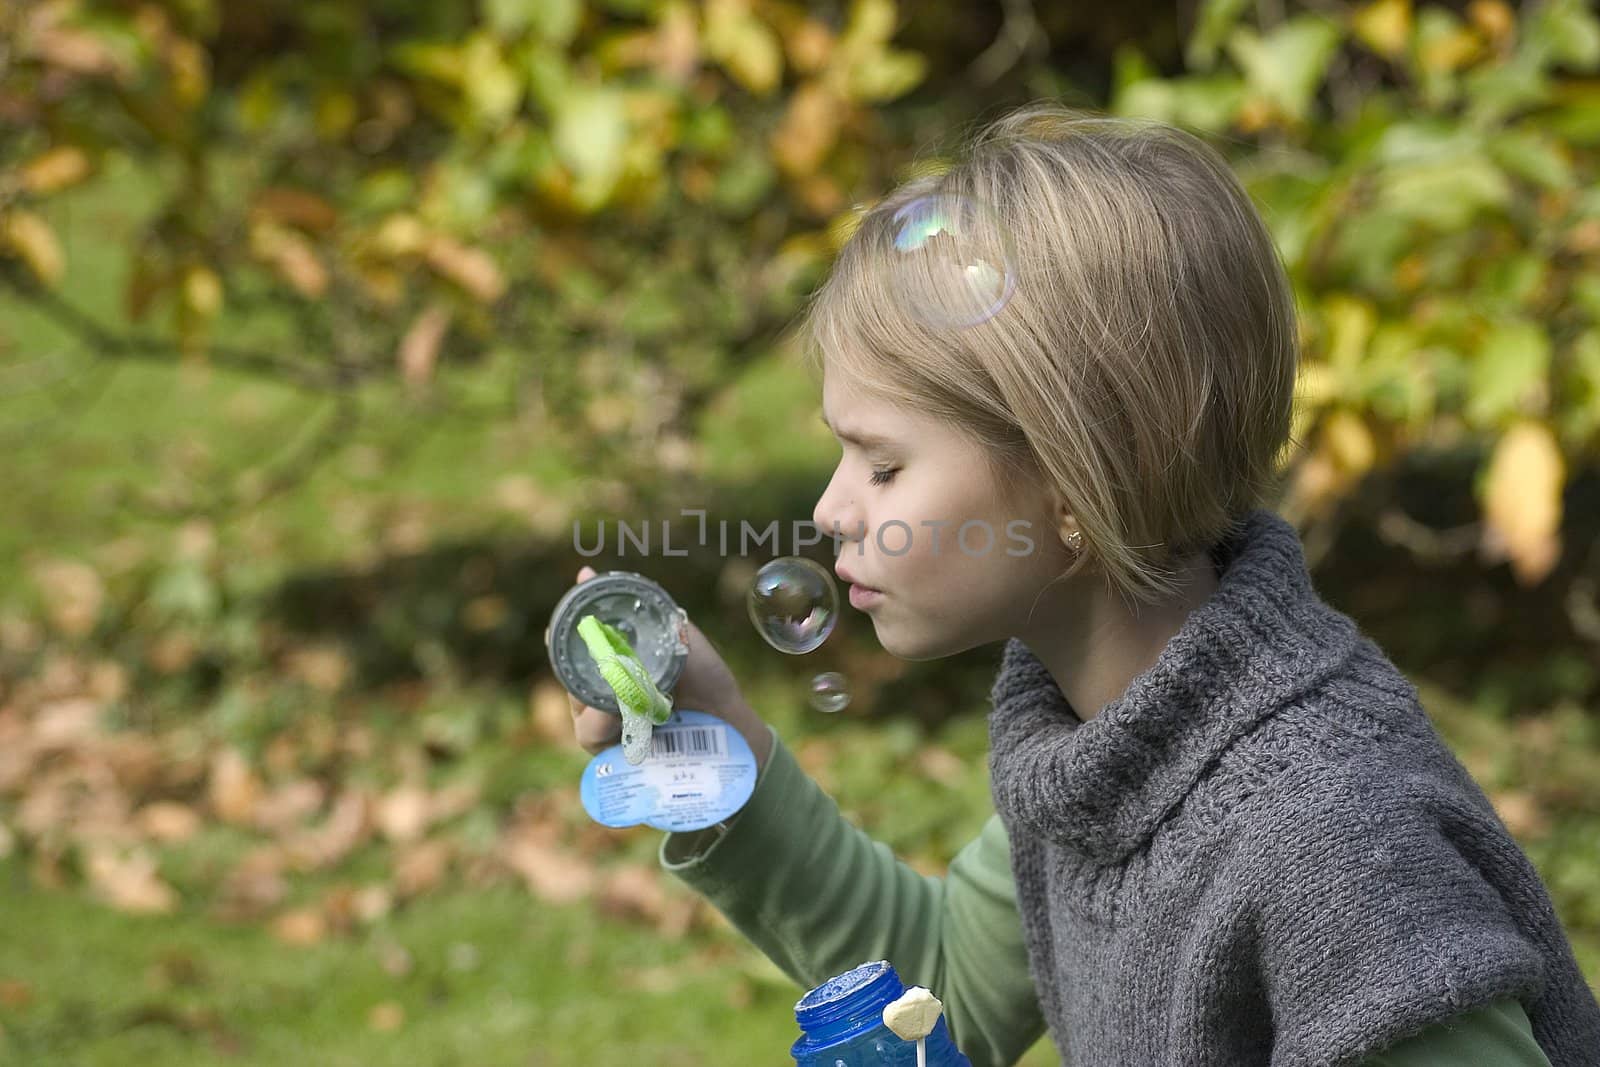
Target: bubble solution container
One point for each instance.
(841, 1023)
(642, 612)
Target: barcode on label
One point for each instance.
(687, 741)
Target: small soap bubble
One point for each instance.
(830, 692)
(954, 264)
(794, 604)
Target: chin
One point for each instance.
(913, 650)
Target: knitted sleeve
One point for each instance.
(1373, 922)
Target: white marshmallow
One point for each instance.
(914, 1015)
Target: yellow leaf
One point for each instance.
(32, 239)
(1521, 500)
(809, 129)
(336, 112)
(1349, 442)
(56, 168)
(400, 234)
(191, 70)
(202, 291)
(1384, 26)
(1349, 323)
(1495, 18)
(677, 47)
(1450, 50)
(745, 46)
(809, 45)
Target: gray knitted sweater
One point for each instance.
(1261, 852)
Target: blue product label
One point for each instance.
(699, 771)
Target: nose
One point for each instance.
(833, 511)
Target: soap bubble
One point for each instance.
(830, 692)
(794, 603)
(954, 264)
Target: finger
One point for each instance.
(596, 730)
(585, 573)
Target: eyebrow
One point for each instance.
(863, 440)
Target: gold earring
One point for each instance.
(1073, 540)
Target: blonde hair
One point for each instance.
(1145, 360)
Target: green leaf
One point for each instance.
(1446, 194)
(548, 75)
(1568, 31)
(1586, 294)
(743, 183)
(1511, 361)
(1288, 64)
(1400, 381)
(1207, 102)
(1216, 19)
(1583, 412)
(555, 20)
(591, 131)
(1532, 155)
(890, 75)
(492, 86)
(1509, 282)
(1496, 90)
(441, 62)
(1575, 118)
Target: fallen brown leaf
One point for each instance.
(550, 714)
(15, 993)
(73, 594)
(130, 882)
(167, 821)
(421, 866)
(403, 813)
(288, 806)
(453, 801)
(346, 827)
(323, 667)
(551, 873)
(234, 788)
(64, 724)
(386, 1016)
(303, 926)
(254, 887)
(942, 765)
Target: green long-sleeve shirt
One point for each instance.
(819, 896)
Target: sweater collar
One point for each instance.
(1102, 787)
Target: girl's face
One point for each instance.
(903, 489)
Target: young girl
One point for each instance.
(1225, 831)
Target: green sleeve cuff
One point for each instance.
(699, 857)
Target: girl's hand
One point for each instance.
(706, 685)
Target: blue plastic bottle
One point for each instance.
(841, 1023)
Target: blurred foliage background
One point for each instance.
(322, 323)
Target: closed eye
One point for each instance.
(883, 477)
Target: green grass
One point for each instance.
(495, 978)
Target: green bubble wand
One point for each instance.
(644, 706)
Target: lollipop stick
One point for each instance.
(922, 1056)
